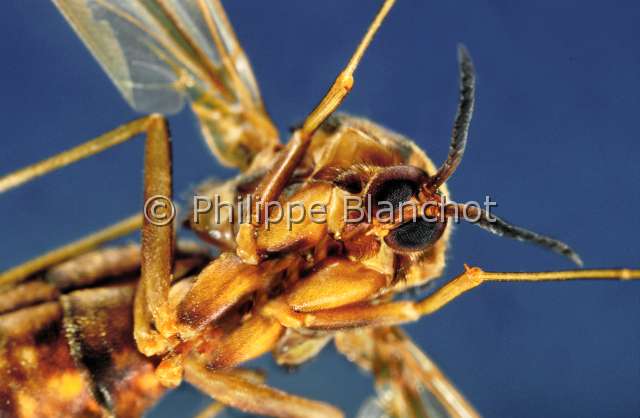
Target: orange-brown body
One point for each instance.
(82, 336)
(343, 145)
(66, 339)
(309, 269)
(73, 355)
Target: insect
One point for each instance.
(277, 290)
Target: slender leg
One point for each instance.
(235, 390)
(270, 189)
(91, 268)
(276, 179)
(408, 311)
(94, 146)
(211, 410)
(60, 254)
(87, 269)
(474, 276)
(151, 304)
(26, 294)
(402, 373)
(84, 270)
(148, 340)
(154, 320)
(157, 240)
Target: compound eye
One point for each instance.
(395, 185)
(395, 192)
(415, 236)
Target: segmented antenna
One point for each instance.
(462, 121)
(502, 228)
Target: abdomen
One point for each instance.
(74, 356)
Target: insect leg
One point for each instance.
(336, 282)
(89, 269)
(283, 169)
(394, 313)
(65, 252)
(408, 382)
(222, 284)
(81, 271)
(26, 294)
(253, 338)
(344, 82)
(345, 317)
(269, 189)
(474, 276)
(211, 410)
(94, 146)
(234, 389)
(157, 241)
(151, 304)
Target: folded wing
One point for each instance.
(161, 53)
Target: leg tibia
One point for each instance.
(233, 389)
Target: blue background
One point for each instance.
(554, 141)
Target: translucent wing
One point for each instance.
(160, 53)
(427, 406)
(408, 383)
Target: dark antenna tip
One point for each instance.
(461, 123)
(500, 227)
(575, 257)
(463, 53)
